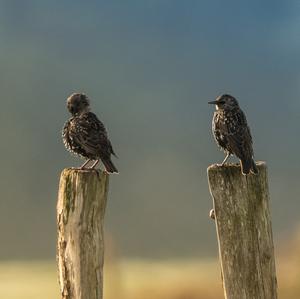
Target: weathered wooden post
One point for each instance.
(81, 205)
(244, 231)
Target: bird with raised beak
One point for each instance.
(232, 133)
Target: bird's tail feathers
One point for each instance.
(253, 169)
(114, 154)
(109, 166)
(248, 165)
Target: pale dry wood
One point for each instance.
(244, 231)
(81, 206)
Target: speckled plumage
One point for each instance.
(85, 135)
(232, 132)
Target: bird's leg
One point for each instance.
(94, 165)
(85, 163)
(226, 158)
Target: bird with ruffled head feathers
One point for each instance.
(78, 103)
(85, 135)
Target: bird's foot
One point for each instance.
(94, 165)
(82, 167)
(220, 164)
(77, 168)
(225, 160)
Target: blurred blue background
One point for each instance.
(149, 68)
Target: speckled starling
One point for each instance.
(232, 132)
(85, 135)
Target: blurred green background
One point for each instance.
(149, 68)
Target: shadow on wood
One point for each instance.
(244, 231)
(81, 206)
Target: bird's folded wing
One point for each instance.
(238, 136)
(91, 134)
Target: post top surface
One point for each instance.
(233, 166)
(72, 170)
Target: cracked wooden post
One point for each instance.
(244, 232)
(81, 206)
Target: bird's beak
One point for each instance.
(213, 102)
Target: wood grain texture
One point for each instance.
(81, 206)
(244, 231)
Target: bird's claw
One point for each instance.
(220, 164)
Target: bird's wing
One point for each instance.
(91, 135)
(239, 140)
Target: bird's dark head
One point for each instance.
(225, 102)
(78, 103)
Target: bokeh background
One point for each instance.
(149, 68)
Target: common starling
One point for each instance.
(232, 133)
(85, 135)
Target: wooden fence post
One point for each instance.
(81, 206)
(244, 231)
